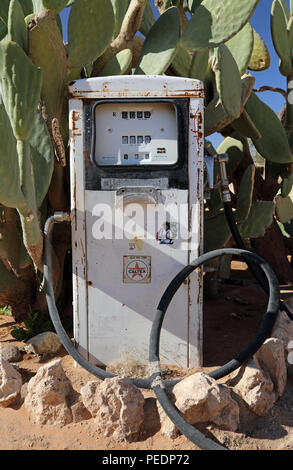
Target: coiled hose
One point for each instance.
(263, 333)
(155, 382)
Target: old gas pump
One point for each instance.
(138, 174)
(137, 214)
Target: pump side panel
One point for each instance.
(122, 300)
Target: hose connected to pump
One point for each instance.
(224, 182)
(154, 357)
(259, 268)
(155, 382)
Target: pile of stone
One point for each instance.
(118, 407)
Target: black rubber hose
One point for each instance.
(198, 437)
(194, 435)
(256, 271)
(154, 357)
(64, 338)
(168, 295)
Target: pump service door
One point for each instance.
(136, 180)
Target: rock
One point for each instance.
(23, 391)
(47, 395)
(79, 412)
(44, 343)
(201, 399)
(89, 397)
(117, 405)
(283, 328)
(271, 357)
(10, 384)
(255, 387)
(10, 353)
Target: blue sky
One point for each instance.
(261, 23)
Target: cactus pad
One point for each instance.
(260, 58)
(284, 208)
(241, 47)
(215, 22)
(17, 30)
(273, 145)
(228, 81)
(216, 232)
(18, 77)
(199, 64)
(235, 150)
(47, 51)
(90, 29)
(244, 199)
(181, 62)
(159, 48)
(280, 37)
(148, 20)
(216, 118)
(259, 219)
(246, 127)
(118, 65)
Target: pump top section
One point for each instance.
(136, 86)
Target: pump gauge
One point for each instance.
(135, 133)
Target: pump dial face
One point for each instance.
(136, 134)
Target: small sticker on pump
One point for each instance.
(136, 269)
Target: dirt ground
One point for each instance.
(229, 324)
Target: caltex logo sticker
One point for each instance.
(137, 269)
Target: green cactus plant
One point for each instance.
(259, 219)
(209, 27)
(260, 57)
(160, 45)
(98, 15)
(119, 64)
(210, 40)
(241, 47)
(279, 22)
(17, 30)
(245, 194)
(273, 144)
(199, 64)
(228, 81)
(216, 117)
(245, 126)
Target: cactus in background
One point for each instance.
(228, 81)
(260, 57)
(211, 40)
(160, 46)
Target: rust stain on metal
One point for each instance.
(197, 119)
(83, 253)
(75, 116)
(77, 296)
(75, 202)
(195, 93)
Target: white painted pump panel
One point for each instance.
(136, 148)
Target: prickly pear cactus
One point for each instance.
(211, 40)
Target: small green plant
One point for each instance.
(36, 323)
(6, 310)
